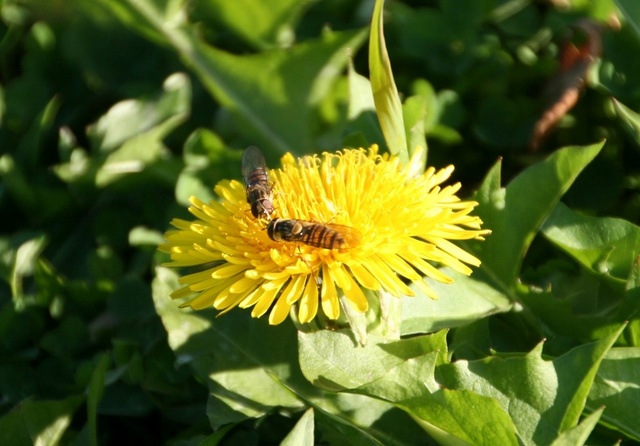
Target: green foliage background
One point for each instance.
(112, 113)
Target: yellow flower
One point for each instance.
(404, 226)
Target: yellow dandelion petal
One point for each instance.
(309, 302)
(455, 251)
(294, 289)
(364, 277)
(387, 277)
(368, 223)
(426, 289)
(330, 302)
(355, 295)
(207, 298)
(279, 312)
(399, 265)
(267, 298)
(226, 271)
(251, 298)
(227, 299)
(341, 277)
(426, 268)
(243, 284)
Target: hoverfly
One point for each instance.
(256, 181)
(329, 236)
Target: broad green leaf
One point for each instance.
(580, 434)
(259, 23)
(302, 433)
(606, 246)
(333, 360)
(631, 11)
(402, 372)
(460, 417)
(266, 92)
(515, 213)
(38, 423)
(585, 306)
(543, 398)
(617, 386)
(385, 93)
(459, 303)
(578, 306)
(245, 379)
(251, 368)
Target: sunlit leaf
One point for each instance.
(617, 386)
(261, 24)
(385, 93)
(302, 433)
(459, 303)
(514, 220)
(580, 433)
(38, 422)
(535, 392)
(604, 245)
(402, 372)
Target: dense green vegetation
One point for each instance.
(114, 112)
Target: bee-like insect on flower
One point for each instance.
(329, 236)
(256, 181)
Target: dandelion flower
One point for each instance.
(405, 226)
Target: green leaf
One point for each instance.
(335, 361)
(606, 246)
(402, 372)
(130, 136)
(96, 390)
(515, 213)
(302, 433)
(24, 265)
(580, 434)
(631, 11)
(362, 111)
(261, 24)
(268, 92)
(245, 380)
(630, 120)
(38, 422)
(543, 398)
(252, 369)
(414, 110)
(461, 302)
(617, 386)
(632, 295)
(207, 160)
(462, 418)
(385, 93)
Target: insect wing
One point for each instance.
(350, 235)
(252, 160)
